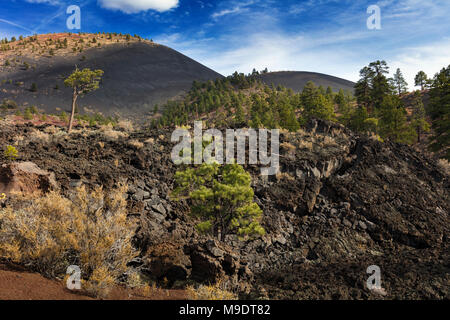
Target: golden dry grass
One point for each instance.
(89, 229)
(136, 144)
(218, 291)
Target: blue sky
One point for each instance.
(328, 36)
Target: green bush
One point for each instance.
(11, 153)
(9, 104)
(28, 115)
(222, 197)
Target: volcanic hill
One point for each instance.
(296, 80)
(138, 73)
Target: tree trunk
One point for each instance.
(74, 102)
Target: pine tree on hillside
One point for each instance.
(322, 108)
(222, 197)
(393, 123)
(421, 80)
(380, 83)
(363, 88)
(419, 122)
(309, 95)
(82, 82)
(342, 102)
(357, 119)
(400, 83)
(440, 112)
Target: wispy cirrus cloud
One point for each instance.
(15, 25)
(234, 9)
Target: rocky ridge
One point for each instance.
(341, 203)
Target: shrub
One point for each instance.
(222, 197)
(210, 292)
(63, 117)
(112, 135)
(11, 153)
(125, 125)
(136, 144)
(37, 135)
(28, 115)
(9, 104)
(288, 147)
(89, 229)
(33, 87)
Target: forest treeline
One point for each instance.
(375, 107)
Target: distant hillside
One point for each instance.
(138, 73)
(296, 80)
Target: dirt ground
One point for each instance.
(16, 283)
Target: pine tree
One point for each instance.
(322, 108)
(380, 84)
(342, 102)
(421, 80)
(419, 122)
(222, 197)
(309, 95)
(440, 112)
(393, 123)
(82, 82)
(400, 83)
(363, 88)
(358, 118)
(239, 116)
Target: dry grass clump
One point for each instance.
(18, 140)
(327, 141)
(48, 135)
(217, 291)
(149, 141)
(126, 125)
(290, 148)
(37, 135)
(52, 130)
(89, 229)
(445, 165)
(110, 134)
(284, 176)
(308, 145)
(136, 144)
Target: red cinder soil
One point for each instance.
(16, 283)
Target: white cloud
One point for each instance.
(430, 58)
(135, 6)
(276, 51)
